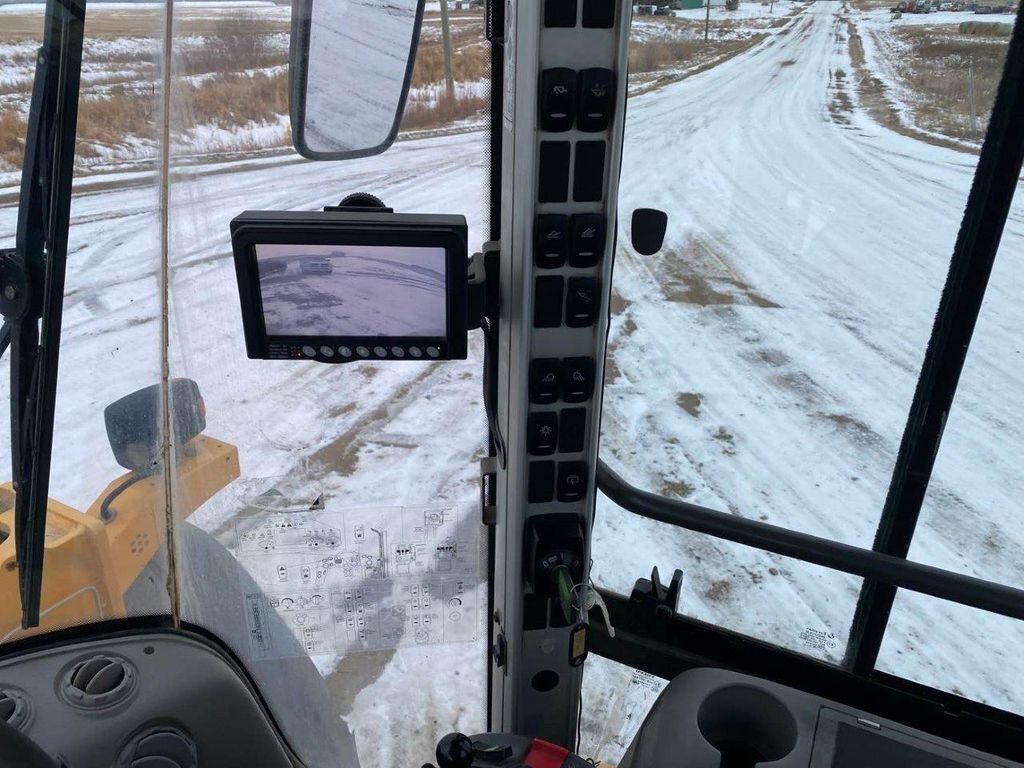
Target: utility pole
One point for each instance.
(972, 98)
(771, 6)
(707, 21)
(446, 36)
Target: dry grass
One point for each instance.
(444, 111)
(662, 62)
(656, 55)
(934, 64)
(938, 67)
(127, 111)
(12, 139)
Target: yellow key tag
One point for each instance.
(579, 645)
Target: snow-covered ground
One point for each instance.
(763, 363)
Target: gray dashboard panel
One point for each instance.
(180, 681)
(705, 714)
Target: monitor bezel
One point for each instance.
(254, 228)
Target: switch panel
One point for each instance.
(547, 302)
(588, 238)
(545, 379)
(577, 379)
(582, 301)
(572, 480)
(560, 13)
(551, 241)
(542, 433)
(599, 14)
(553, 184)
(596, 99)
(558, 99)
(588, 186)
(572, 426)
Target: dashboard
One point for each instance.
(157, 699)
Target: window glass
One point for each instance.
(617, 699)
(793, 604)
(350, 540)
(970, 520)
(111, 332)
(957, 649)
(814, 160)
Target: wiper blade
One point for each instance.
(32, 285)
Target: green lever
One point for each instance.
(563, 581)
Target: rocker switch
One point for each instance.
(557, 99)
(597, 95)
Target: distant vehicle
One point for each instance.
(912, 6)
(662, 10)
(317, 267)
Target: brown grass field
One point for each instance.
(238, 76)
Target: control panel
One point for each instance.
(564, 112)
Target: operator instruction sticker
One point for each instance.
(349, 580)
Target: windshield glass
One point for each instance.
(815, 161)
(325, 525)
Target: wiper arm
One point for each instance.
(32, 285)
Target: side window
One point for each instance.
(815, 160)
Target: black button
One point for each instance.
(547, 302)
(551, 240)
(542, 433)
(582, 302)
(572, 429)
(588, 186)
(544, 380)
(572, 480)
(588, 235)
(554, 171)
(599, 13)
(560, 13)
(577, 379)
(597, 99)
(558, 99)
(542, 482)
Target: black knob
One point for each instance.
(455, 751)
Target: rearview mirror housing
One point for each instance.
(350, 67)
(134, 422)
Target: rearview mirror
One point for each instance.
(351, 63)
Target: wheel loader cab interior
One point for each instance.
(359, 578)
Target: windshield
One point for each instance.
(352, 514)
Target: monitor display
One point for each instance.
(353, 290)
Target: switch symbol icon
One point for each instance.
(572, 480)
(578, 377)
(588, 233)
(546, 431)
(549, 378)
(555, 234)
(560, 90)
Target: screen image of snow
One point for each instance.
(352, 290)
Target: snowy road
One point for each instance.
(766, 359)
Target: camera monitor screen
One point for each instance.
(339, 287)
(353, 290)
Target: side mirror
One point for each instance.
(134, 423)
(351, 63)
